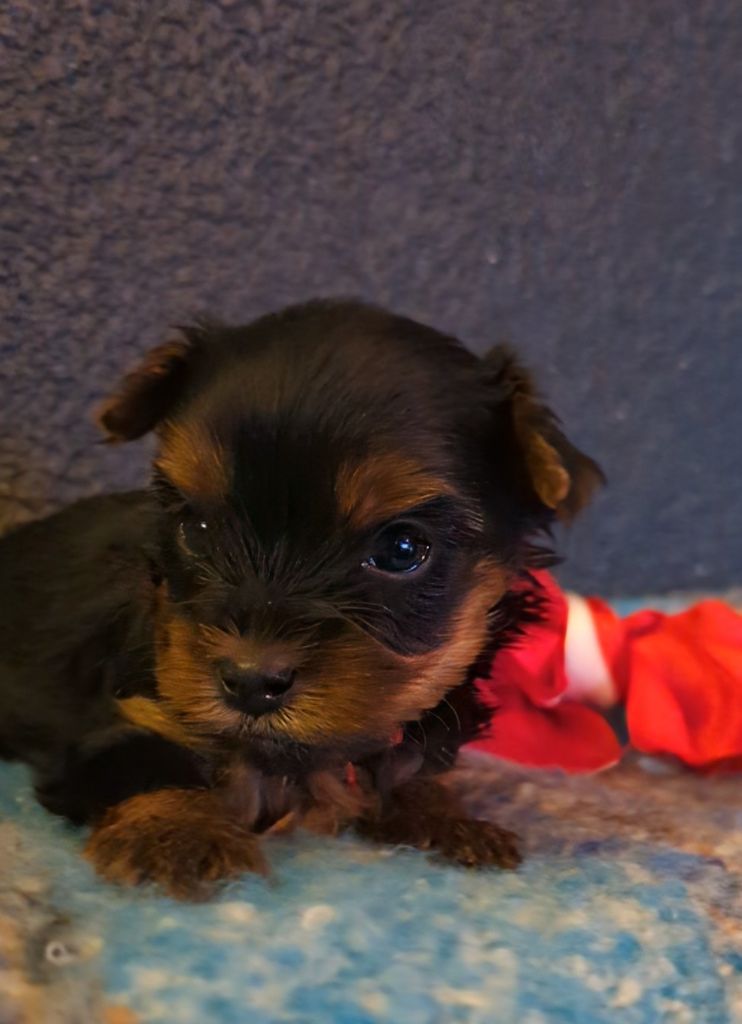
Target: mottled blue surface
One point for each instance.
(627, 908)
(348, 934)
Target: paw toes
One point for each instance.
(187, 865)
(478, 844)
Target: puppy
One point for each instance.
(284, 629)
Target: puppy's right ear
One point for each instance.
(148, 394)
(560, 476)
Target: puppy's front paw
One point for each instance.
(179, 839)
(425, 814)
(476, 844)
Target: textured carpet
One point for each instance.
(628, 907)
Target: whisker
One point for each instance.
(444, 723)
(455, 712)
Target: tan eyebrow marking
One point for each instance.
(384, 485)
(193, 460)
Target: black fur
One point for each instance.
(289, 398)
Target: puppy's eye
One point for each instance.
(193, 536)
(399, 549)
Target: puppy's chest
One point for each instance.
(322, 801)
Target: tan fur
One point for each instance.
(442, 669)
(186, 682)
(550, 479)
(153, 717)
(193, 461)
(114, 416)
(549, 476)
(333, 803)
(383, 486)
(183, 840)
(362, 689)
(241, 792)
(253, 652)
(352, 687)
(119, 1015)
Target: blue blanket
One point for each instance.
(627, 908)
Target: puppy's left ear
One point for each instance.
(560, 476)
(149, 393)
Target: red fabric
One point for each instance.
(531, 723)
(681, 681)
(679, 677)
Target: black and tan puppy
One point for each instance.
(284, 628)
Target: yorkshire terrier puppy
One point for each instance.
(285, 627)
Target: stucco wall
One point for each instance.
(564, 173)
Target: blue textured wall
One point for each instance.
(562, 172)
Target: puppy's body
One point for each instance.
(79, 597)
(71, 589)
(283, 628)
(76, 594)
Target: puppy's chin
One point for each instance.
(294, 736)
(279, 754)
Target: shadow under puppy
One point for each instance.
(284, 628)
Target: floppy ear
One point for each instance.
(561, 476)
(149, 393)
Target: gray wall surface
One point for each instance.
(562, 173)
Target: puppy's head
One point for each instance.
(344, 495)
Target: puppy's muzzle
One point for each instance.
(253, 692)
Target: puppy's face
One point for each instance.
(344, 496)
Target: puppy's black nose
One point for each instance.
(254, 692)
